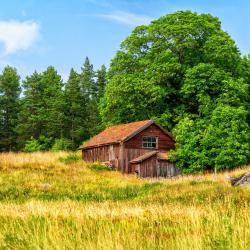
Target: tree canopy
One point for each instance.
(185, 72)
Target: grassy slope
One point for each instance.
(47, 204)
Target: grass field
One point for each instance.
(50, 201)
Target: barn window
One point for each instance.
(149, 142)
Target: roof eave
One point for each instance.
(98, 145)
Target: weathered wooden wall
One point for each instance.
(130, 154)
(167, 169)
(153, 168)
(147, 168)
(165, 142)
(108, 153)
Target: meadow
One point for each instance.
(55, 201)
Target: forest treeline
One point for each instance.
(43, 112)
(181, 70)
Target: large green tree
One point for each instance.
(183, 68)
(9, 108)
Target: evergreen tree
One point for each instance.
(75, 110)
(30, 120)
(89, 91)
(42, 106)
(9, 108)
(53, 103)
(101, 81)
(87, 82)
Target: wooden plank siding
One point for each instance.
(133, 147)
(130, 154)
(167, 169)
(165, 142)
(148, 167)
(152, 167)
(108, 153)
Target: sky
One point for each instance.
(37, 33)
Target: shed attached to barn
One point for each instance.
(137, 147)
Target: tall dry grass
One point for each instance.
(48, 204)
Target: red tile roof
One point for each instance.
(116, 134)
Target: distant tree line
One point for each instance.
(181, 70)
(44, 112)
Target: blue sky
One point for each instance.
(37, 33)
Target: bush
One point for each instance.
(99, 167)
(71, 158)
(62, 144)
(32, 146)
(41, 144)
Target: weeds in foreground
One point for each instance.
(50, 204)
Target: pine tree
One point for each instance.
(42, 106)
(101, 81)
(74, 110)
(89, 90)
(30, 119)
(9, 108)
(53, 103)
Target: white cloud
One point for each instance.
(128, 18)
(16, 35)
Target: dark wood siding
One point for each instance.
(165, 142)
(151, 167)
(130, 154)
(146, 168)
(167, 169)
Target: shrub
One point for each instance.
(62, 144)
(99, 167)
(32, 146)
(71, 158)
(41, 144)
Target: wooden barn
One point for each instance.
(137, 147)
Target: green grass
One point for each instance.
(50, 203)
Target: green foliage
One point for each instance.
(220, 141)
(101, 81)
(62, 144)
(71, 158)
(9, 108)
(185, 72)
(89, 89)
(32, 146)
(41, 144)
(75, 110)
(42, 106)
(99, 167)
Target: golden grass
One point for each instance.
(47, 204)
